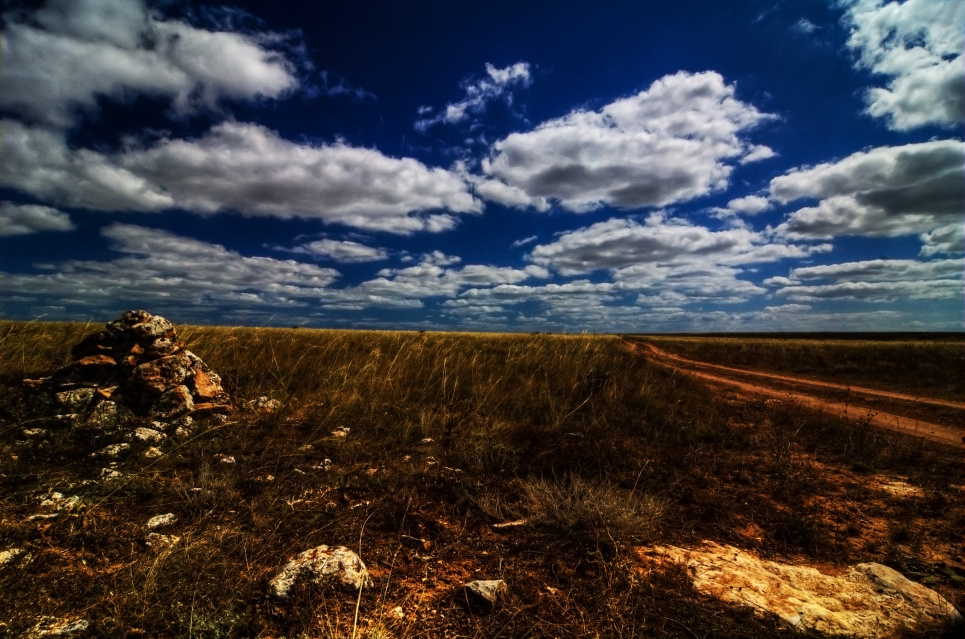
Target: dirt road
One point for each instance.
(905, 413)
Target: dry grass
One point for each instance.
(595, 448)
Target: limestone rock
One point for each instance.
(146, 435)
(152, 328)
(14, 556)
(207, 386)
(159, 521)
(482, 595)
(264, 406)
(871, 600)
(113, 451)
(109, 415)
(321, 565)
(53, 627)
(75, 401)
(157, 376)
(174, 402)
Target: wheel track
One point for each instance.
(717, 374)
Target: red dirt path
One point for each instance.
(806, 392)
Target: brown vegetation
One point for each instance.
(594, 449)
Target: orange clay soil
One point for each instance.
(937, 420)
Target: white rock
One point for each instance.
(35, 433)
(53, 627)
(110, 473)
(484, 593)
(159, 521)
(321, 565)
(427, 440)
(264, 405)
(152, 453)
(225, 459)
(325, 465)
(396, 613)
(341, 431)
(113, 451)
(871, 600)
(108, 415)
(77, 400)
(147, 435)
(57, 502)
(14, 556)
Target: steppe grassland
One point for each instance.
(598, 450)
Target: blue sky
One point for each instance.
(532, 166)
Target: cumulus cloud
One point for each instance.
(69, 53)
(239, 167)
(747, 205)
(918, 45)
(24, 219)
(344, 251)
(621, 243)
(884, 192)
(496, 85)
(671, 143)
(164, 268)
(879, 280)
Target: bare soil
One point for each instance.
(935, 419)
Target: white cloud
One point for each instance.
(879, 280)
(524, 241)
(621, 243)
(670, 143)
(497, 85)
(24, 219)
(67, 54)
(159, 267)
(344, 251)
(918, 44)
(747, 205)
(884, 192)
(431, 278)
(242, 167)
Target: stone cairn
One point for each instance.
(136, 368)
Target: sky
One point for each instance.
(694, 166)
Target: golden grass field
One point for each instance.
(597, 449)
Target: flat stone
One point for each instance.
(321, 565)
(35, 433)
(173, 403)
(869, 601)
(108, 415)
(264, 406)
